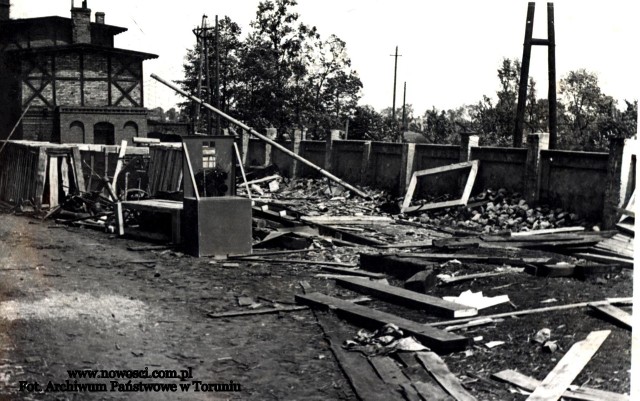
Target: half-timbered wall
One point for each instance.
(81, 79)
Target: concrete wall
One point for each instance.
(283, 160)
(575, 181)
(385, 166)
(572, 180)
(499, 168)
(346, 159)
(314, 151)
(431, 156)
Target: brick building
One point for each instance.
(81, 89)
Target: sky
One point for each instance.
(450, 50)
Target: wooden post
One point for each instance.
(408, 159)
(535, 143)
(53, 181)
(64, 175)
(41, 176)
(77, 170)
(524, 77)
(613, 183)
(553, 105)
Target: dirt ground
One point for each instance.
(74, 298)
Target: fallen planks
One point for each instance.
(574, 393)
(569, 367)
(534, 311)
(346, 220)
(605, 259)
(466, 277)
(439, 370)
(421, 381)
(548, 231)
(616, 314)
(435, 339)
(296, 261)
(407, 298)
(360, 374)
(353, 272)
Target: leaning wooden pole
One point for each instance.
(14, 128)
(264, 138)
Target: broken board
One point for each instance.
(569, 367)
(436, 339)
(407, 298)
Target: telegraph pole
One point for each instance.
(404, 108)
(202, 34)
(395, 76)
(217, 78)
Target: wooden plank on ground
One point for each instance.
(422, 382)
(616, 314)
(360, 374)
(436, 366)
(575, 393)
(353, 272)
(605, 259)
(388, 371)
(435, 339)
(433, 305)
(548, 231)
(345, 220)
(534, 311)
(400, 267)
(569, 367)
(256, 312)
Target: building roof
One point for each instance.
(84, 47)
(115, 30)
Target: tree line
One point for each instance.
(285, 75)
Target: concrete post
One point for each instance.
(467, 141)
(535, 143)
(272, 134)
(244, 135)
(333, 135)
(613, 184)
(297, 138)
(408, 158)
(364, 166)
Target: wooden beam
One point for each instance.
(616, 314)
(121, 153)
(548, 231)
(422, 382)
(191, 173)
(353, 272)
(53, 181)
(574, 393)
(435, 339)
(534, 311)
(410, 299)
(345, 220)
(605, 259)
(439, 370)
(569, 367)
(256, 312)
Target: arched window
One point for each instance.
(104, 134)
(130, 130)
(76, 132)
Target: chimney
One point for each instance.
(5, 14)
(100, 17)
(81, 24)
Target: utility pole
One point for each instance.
(395, 76)
(217, 78)
(202, 34)
(404, 108)
(524, 76)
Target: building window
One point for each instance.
(130, 130)
(104, 134)
(76, 133)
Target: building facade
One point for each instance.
(77, 86)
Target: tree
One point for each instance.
(587, 111)
(366, 123)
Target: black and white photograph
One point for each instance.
(318, 200)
